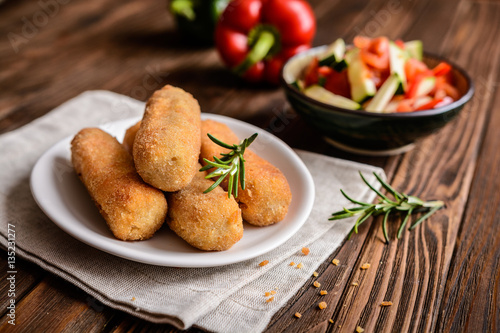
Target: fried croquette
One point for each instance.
(128, 139)
(267, 194)
(132, 209)
(211, 221)
(167, 144)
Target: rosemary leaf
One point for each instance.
(401, 203)
(230, 165)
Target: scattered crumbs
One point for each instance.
(322, 305)
(360, 329)
(317, 284)
(354, 284)
(270, 299)
(133, 299)
(300, 265)
(365, 266)
(330, 320)
(340, 326)
(335, 262)
(298, 315)
(305, 251)
(323, 292)
(315, 274)
(273, 292)
(264, 263)
(386, 303)
(291, 264)
(267, 294)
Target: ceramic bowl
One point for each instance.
(365, 132)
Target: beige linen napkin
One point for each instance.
(223, 299)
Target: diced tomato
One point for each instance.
(400, 43)
(441, 69)
(406, 105)
(311, 74)
(338, 83)
(325, 71)
(450, 90)
(431, 105)
(439, 93)
(413, 68)
(376, 54)
(361, 42)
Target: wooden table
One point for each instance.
(444, 276)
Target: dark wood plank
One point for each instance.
(56, 306)
(472, 294)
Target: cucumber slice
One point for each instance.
(334, 55)
(327, 97)
(397, 59)
(415, 49)
(299, 84)
(362, 87)
(425, 86)
(384, 95)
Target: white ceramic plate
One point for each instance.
(60, 194)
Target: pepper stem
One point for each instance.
(260, 49)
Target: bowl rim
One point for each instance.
(415, 114)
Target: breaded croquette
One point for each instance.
(211, 221)
(128, 139)
(132, 209)
(167, 144)
(267, 194)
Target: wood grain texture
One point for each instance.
(444, 276)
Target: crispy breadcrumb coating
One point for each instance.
(267, 195)
(211, 221)
(132, 209)
(167, 144)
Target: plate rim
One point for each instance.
(111, 246)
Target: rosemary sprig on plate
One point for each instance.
(401, 203)
(230, 165)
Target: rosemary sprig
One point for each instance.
(401, 203)
(230, 165)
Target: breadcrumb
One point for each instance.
(264, 263)
(354, 284)
(133, 299)
(360, 329)
(386, 303)
(322, 305)
(365, 266)
(335, 262)
(270, 299)
(323, 292)
(300, 265)
(267, 294)
(317, 284)
(331, 321)
(315, 274)
(273, 292)
(291, 264)
(298, 315)
(305, 251)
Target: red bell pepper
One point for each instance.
(256, 37)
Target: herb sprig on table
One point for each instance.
(402, 203)
(230, 165)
